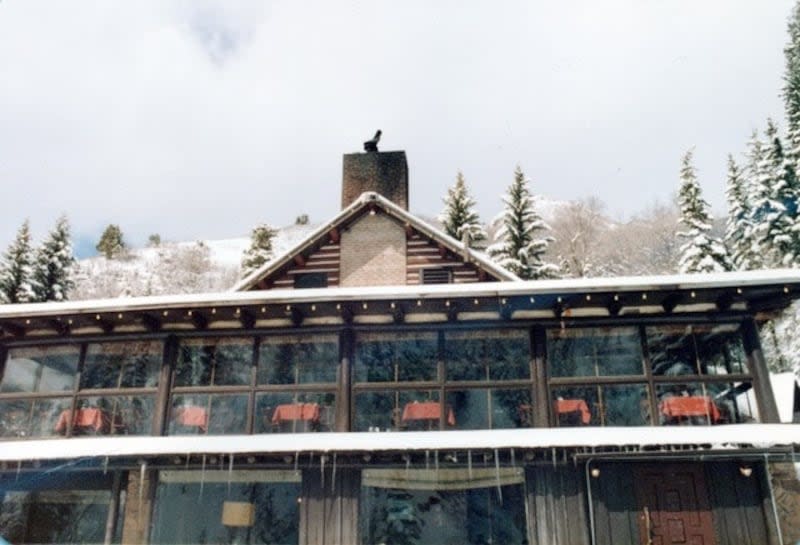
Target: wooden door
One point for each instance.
(673, 505)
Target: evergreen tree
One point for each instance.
(52, 268)
(260, 250)
(111, 243)
(518, 247)
(16, 269)
(459, 218)
(739, 227)
(791, 88)
(775, 204)
(701, 253)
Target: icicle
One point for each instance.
(202, 474)
(497, 476)
(436, 462)
(296, 461)
(555, 460)
(142, 475)
(19, 468)
(333, 474)
(322, 460)
(407, 458)
(187, 460)
(469, 464)
(230, 472)
(427, 459)
(105, 465)
(513, 458)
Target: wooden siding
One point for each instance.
(324, 260)
(557, 506)
(424, 253)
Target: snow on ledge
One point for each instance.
(728, 436)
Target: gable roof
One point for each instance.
(367, 202)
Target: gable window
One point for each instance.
(437, 275)
(311, 280)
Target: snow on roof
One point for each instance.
(776, 278)
(729, 436)
(371, 199)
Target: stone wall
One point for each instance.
(373, 253)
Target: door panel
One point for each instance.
(673, 505)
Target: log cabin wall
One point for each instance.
(325, 260)
(557, 506)
(423, 253)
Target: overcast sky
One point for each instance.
(198, 119)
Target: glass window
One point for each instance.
(122, 365)
(34, 417)
(396, 357)
(487, 355)
(294, 412)
(598, 351)
(477, 409)
(298, 359)
(239, 506)
(40, 369)
(696, 349)
(214, 361)
(623, 405)
(399, 410)
(214, 414)
(695, 403)
(114, 415)
(418, 506)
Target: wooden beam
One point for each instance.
(247, 319)
(13, 329)
(296, 316)
(442, 250)
(150, 322)
(452, 312)
(347, 314)
(199, 320)
(670, 302)
(724, 301)
(409, 231)
(614, 306)
(61, 328)
(300, 260)
(399, 314)
(334, 235)
(505, 311)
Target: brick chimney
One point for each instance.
(384, 172)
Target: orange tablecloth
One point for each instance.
(566, 406)
(686, 406)
(192, 416)
(84, 418)
(296, 411)
(427, 410)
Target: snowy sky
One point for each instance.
(199, 119)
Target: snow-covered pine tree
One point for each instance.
(791, 88)
(701, 253)
(519, 247)
(111, 243)
(459, 218)
(774, 205)
(260, 250)
(16, 269)
(739, 228)
(52, 268)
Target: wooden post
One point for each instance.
(138, 507)
(344, 379)
(767, 408)
(161, 415)
(541, 406)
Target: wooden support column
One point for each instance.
(344, 379)
(767, 408)
(329, 507)
(161, 415)
(541, 407)
(138, 507)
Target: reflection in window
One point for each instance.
(214, 414)
(294, 412)
(214, 361)
(696, 349)
(33, 418)
(42, 369)
(598, 351)
(487, 355)
(122, 365)
(400, 410)
(396, 357)
(419, 506)
(112, 415)
(477, 409)
(239, 506)
(705, 404)
(623, 405)
(298, 359)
